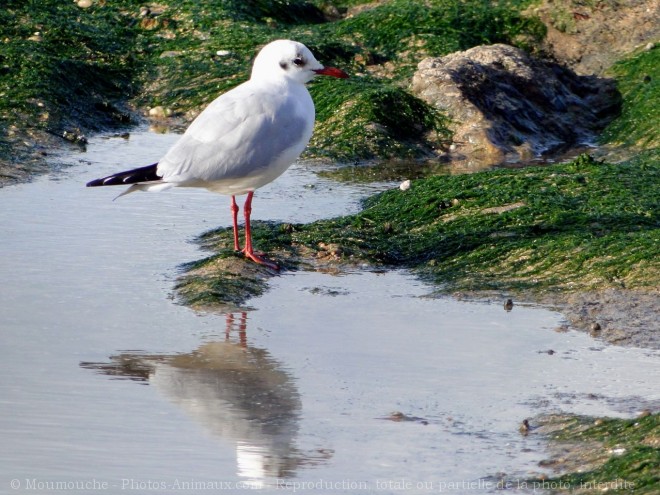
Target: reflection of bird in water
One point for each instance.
(238, 392)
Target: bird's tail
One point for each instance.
(135, 176)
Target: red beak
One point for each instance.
(331, 71)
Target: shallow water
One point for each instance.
(106, 380)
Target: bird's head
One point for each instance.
(292, 60)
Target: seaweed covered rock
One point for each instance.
(508, 106)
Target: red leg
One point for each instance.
(242, 328)
(234, 213)
(248, 251)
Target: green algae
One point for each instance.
(64, 68)
(576, 226)
(217, 289)
(67, 71)
(221, 281)
(638, 80)
(580, 225)
(632, 449)
(225, 280)
(356, 121)
(403, 31)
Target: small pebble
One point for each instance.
(508, 305)
(644, 413)
(524, 427)
(649, 46)
(74, 137)
(148, 23)
(84, 4)
(223, 53)
(159, 112)
(159, 128)
(405, 185)
(595, 329)
(170, 54)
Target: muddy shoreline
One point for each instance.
(625, 317)
(616, 316)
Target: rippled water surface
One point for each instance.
(357, 383)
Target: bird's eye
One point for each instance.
(298, 61)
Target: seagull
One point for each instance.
(246, 138)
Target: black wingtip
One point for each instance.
(142, 174)
(95, 183)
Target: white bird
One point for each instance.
(245, 138)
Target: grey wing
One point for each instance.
(239, 134)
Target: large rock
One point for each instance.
(506, 106)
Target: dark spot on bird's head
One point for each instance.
(298, 61)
